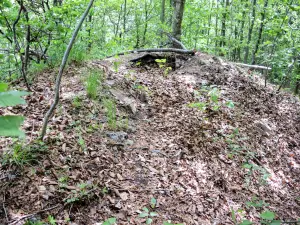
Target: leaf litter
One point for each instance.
(193, 162)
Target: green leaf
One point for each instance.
(153, 214)
(110, 221)
(230, 104)
(146, 209)
(9, 126)
(51, 220)
(246, 222)
(153, 202)
(267, 215)
(12, 98)
(149, 221)
(3, 87)
(143, 215)
(247, 166)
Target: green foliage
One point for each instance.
(93, 83)
(82, 193)
(111, 113)
(146, 213)
(110, 221)
(9, 125)
(212, 100)
(77, 102)
(22, 155)
(162, 64)
(51, 220)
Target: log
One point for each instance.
(174, 50)
(255, 67)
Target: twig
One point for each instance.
(257, 67)
(5, 212)
(175, 40)
(31, 215)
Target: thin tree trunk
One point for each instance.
(177, 20)
(242, 31)
(223, 29)
(250, 31)
(61, 70)
(263, 16)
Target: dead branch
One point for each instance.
(61, 69)
(255, 67)
(174, 50)
(174, 40)
(31, 215)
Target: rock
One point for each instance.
(117, 136)
(129, 142)
(125, 100)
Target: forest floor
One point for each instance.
(199, 164)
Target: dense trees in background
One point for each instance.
(34, 34)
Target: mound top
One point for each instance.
(200, 135)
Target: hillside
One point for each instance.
(203, 139)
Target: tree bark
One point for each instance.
(223, 29)
(61, 70)
(250, 31)
(262, 22)
(177, 20)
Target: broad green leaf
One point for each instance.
(12, 98)
(9, 126)
(143, 215)
(146, 209)
(267, 215)
(149, 221)
(246, 222)
(153, 214)
(110, 221)
(3, 87)
(230, 104)
(153, 202)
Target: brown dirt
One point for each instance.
(179, 155)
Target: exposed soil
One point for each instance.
(191, 161)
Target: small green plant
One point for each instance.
(93, 83)
(110, 221)
(77, 102)
(80, 141)
(51, 220)
(80, 194)
(252, 168)
(116, 65)
(111, 113)
(212, 101)
(22, 154)
(162, 64)
(146, 213)
(267, 218)
(256, 203)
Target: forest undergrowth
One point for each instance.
(185, 139)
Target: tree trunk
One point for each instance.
(177, 20)
(224, 16)
(263, 16)
(250, 31)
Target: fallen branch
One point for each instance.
(255, 67)
(31, 215)
(174, 50)
(174, 40)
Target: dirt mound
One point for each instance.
(202, 137)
